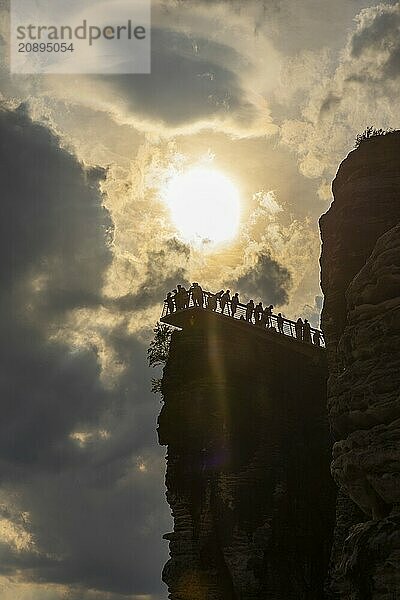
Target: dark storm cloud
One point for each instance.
(392, 66)
(187, 81)
(44, 392)
(51, 211)
(379, 38)
(53, 226)
(102, 515)
(373, 55)
(94, 517)
(267, 280)
(376, 34)
(331, 102)
(265, 6)
(161, 276)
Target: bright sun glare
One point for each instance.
(204, 205)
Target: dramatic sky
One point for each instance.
(270, 93)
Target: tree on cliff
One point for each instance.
(370, 132)
(157, 353)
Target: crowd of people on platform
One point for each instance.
(179, 299)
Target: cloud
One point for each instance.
(330, 103)
(312, 312)
(278, 257)
(373, 51)
(265, 279)
(188, 82)
(15, 588)
(162, 274)
(202, 77)
(51, 209)
(377, 30)
(53, 244)
(95, 519)
(361, 91)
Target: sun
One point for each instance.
(204, 205)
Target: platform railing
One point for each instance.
(289, 327)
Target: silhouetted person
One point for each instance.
(234, 304)
(185, 298)
(249, 311)
(212, 302)
(258, 313)
(225, 301)
(280, 321)
(197, 295)
(219, 296)
(193, 294)
(306, 332)
(170, 302)
(317, 337)
(267, 314)
(222, 301)
(264, 317)
(200, 294)
(178, 298)
(299, 329)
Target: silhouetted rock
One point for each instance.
(248, 476)
(361, 321)
(366, 205)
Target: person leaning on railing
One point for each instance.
(258, 313)
(306, 332)
(267, 314)
(234, 304)
(249, 311)
(317, 337)
(225, 300)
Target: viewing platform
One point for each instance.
(283, 328)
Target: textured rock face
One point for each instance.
(361, 319)
(248, 464)
(366, 205)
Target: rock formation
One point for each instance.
(360, 274)
(248, 479)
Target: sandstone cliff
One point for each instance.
(360, 273)
(248, 464)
